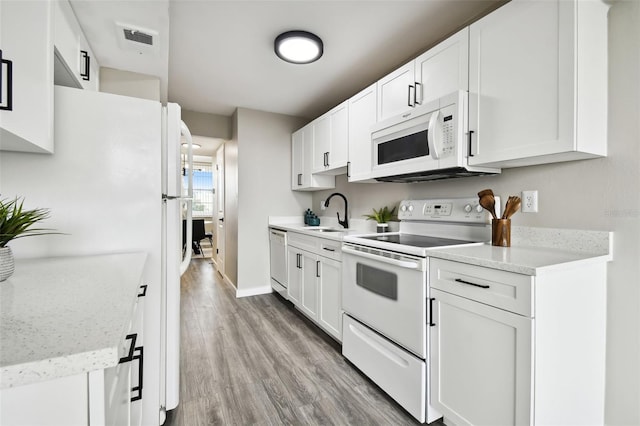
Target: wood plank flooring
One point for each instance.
(256, 360)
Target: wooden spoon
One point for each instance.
(514, 207)
(485, 192)
(488, 202)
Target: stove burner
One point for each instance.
(416, 240)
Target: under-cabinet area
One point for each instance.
(79, 360)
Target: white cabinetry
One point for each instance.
(331, 139)
(315, 280)
(538, 83)
(441, 70)
(76, 65)
(302, 178)
(362, 115)
(26, 104)
(508, 348)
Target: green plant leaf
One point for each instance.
(16, 222)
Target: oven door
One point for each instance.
(388, 292)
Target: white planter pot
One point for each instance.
(7, 265)
(382, 228)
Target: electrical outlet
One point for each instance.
(322, 207)
(529, 201)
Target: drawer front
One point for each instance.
(397, 372)
(505, 290)
(303, 242)
(331, 249)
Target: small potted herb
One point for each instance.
(382, 216)
(16, 222)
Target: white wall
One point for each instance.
(264, 188)
(601, 194)
(128, 83)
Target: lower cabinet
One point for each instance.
(315, 281)
(109, 397)
(514, 349)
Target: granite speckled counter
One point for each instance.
(65, 316)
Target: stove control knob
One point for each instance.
(468, 208)
(410, 208)
(403, 208)
(479, 208)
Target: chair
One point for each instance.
(199, 234)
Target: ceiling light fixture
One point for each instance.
(195, 145)
(298, 47)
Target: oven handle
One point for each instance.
(401, 263)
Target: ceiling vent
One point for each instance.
(131, 37)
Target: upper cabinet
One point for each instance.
(441, 70)
(331, 140)
(30, 33)
(538, 83)
(76, 65)
(302, 163)
(362, 115)
(26, 77)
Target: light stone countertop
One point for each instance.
(65, 316)
(519, 259)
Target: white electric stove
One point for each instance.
(386, 294)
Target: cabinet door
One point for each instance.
(362, 115)
(521, 82)
(297, 159)
(443, 69)
(396, 92)
(26, 41)
(338, 151)
(481, 362)
(321, 142)
(294, 288)
(330, 296)
(310, 273)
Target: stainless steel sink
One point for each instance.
(325, 230)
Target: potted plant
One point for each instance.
(16, 222)
(382, 216)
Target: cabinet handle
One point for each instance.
(5, 63)
(458, 280)
(431, 323)
(328, 249)
(470, 133)
(299, 179)
(415, 94)
(87, 65)
(138, 388)
(298, 262)
(317, 269)
(129, 357)
(327, 159)
(410, 98)
(144, 291)
(348, 169)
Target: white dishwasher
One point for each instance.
(278, 261)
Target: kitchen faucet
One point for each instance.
(345, 222)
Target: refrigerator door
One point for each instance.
(176, 247)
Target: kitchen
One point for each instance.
(565, 190)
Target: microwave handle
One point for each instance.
(434, 135)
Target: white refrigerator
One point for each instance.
(114, 185)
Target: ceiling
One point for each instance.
(216, 56)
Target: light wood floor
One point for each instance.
(255, 360)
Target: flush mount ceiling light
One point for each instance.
(298, 47)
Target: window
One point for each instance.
(202, 189)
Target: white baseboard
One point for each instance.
(253, 291)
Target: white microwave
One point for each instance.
(427, 143)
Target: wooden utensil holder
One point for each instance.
(501, 232)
